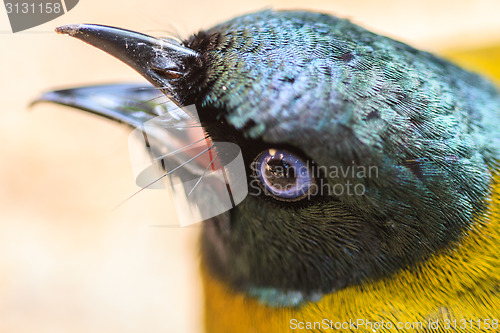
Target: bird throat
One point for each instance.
(410, 295)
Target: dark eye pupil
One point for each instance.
(280, 174)
(283, 174)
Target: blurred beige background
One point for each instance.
(70, 262)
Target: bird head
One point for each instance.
(363, 155)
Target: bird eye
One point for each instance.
(283, 174)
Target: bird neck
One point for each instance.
(460, 282)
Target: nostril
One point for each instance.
(166, 67)
(168, 74)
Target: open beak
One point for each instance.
(165, 64)
(153, 109)
(177, 146)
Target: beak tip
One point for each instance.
(45, 97)
(70, 29)
(49, 96)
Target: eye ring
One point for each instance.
(283, 175)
